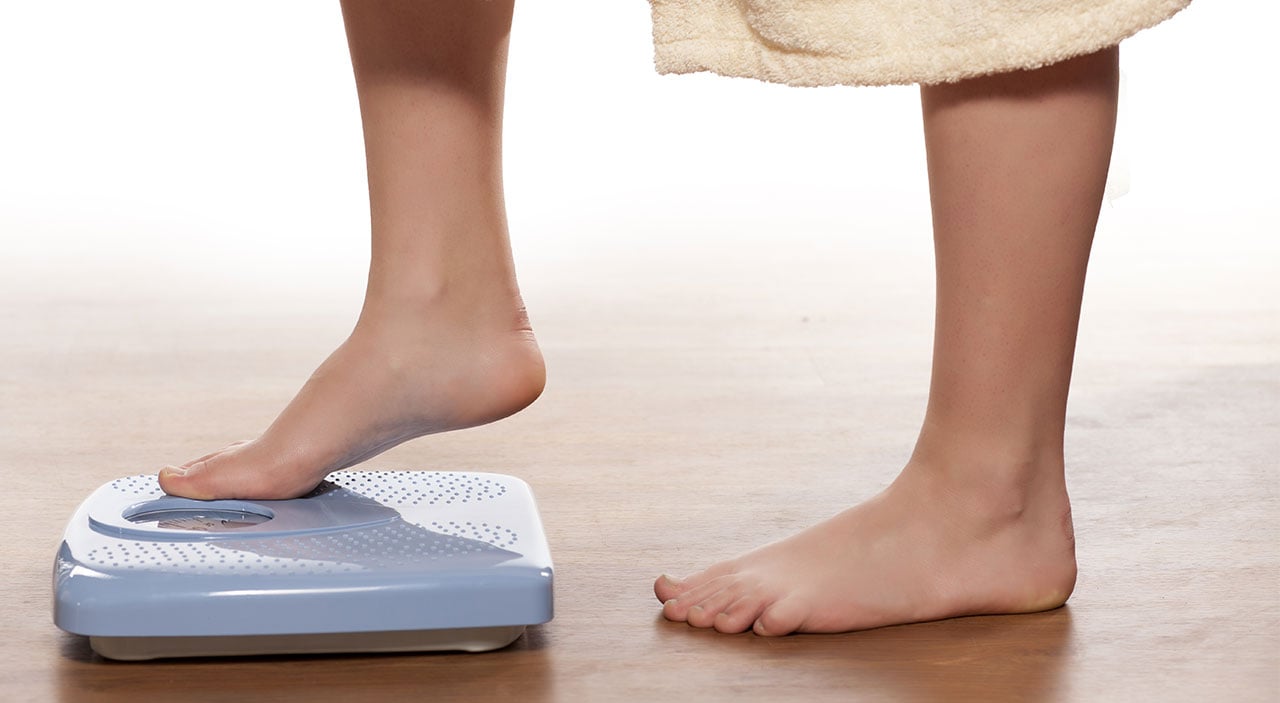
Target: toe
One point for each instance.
(191, 480)
(704, 614)
(194, 479)
(740, 614)
(668, 587)
(677, 608)
(171, 479)
(781, 618)
(244, 470)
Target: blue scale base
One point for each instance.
(369, 561)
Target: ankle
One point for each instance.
(492, 306)
(1007, 454)
(997, 487)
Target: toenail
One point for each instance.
(174, 470)
(671, 580)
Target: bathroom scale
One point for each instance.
(370, 561)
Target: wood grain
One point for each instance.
(686, 420)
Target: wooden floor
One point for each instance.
(698, 405)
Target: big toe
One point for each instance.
(233, 473)
(668, 587)
(190, 481)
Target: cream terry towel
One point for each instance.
(880, 42)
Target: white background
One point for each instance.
(154, 144)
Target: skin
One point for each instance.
(979, 520)
(442, 341)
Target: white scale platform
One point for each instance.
(369, 561)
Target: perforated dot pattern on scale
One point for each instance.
(383, 546)
(386, 487)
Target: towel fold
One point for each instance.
(881, 42)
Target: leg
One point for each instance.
(442, 341)
(979, 520)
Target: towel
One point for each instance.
(883, 42)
